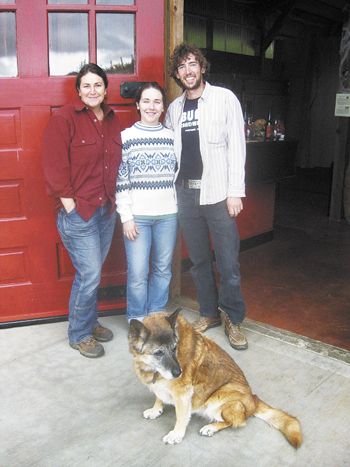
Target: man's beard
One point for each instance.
(193, 87)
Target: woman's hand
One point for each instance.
(68, 204)
(130, 230)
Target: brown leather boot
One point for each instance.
(102, 334)
(204, 322)
(234, 333)
(89, 347)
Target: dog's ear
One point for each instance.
(173, 317)
(138, 334)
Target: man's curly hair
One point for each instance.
(181, 52)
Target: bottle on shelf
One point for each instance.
(247, 127)
(278, 130)
(269, 128)
(281, 131)
(275, 130)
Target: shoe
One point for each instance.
(89, 347)
(234, 333)
(203, 323)
(102, 334)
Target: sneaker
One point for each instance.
(102, 334)
(204, 322)
(234, 333)
(89, 348)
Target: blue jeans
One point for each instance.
(199, 223)
(149, 259)
(87, 243)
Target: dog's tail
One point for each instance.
(289, 426)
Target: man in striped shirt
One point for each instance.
(210, 148)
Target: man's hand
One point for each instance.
(234, 206)
(130, 230)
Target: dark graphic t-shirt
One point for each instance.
(191, 161)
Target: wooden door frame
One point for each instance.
(174, 35)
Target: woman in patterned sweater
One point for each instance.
(146, 203)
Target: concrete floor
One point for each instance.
(59, 409)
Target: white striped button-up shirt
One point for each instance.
(222, 142)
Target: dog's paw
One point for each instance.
(152, 413)
(207, 430)
(173, 437)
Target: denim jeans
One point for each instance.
(149, 260)
(199, 224)
(87, 243)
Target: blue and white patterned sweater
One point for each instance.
(145, 183)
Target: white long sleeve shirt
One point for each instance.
(222, 142)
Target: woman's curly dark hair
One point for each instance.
(181, 52)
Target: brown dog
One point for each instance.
(186, 369)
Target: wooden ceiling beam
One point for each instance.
(319, 10)
(269, 36)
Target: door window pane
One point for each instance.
(248, 41)
(68, 42)
(116, 42)
(115, 2)
(233, 38)
(7, 2)
(195, 30)
(219, 36)
(67, 2)
(270, 51)
(8, 58)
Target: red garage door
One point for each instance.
(42, 43)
